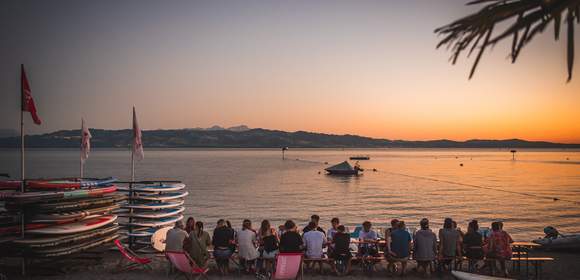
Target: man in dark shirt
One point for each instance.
(291, 241)
(341, 243)
(316, 220)
(222, 241)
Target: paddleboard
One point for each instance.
(10, 185)
(76, 227)
(47, 218)
(153, 223)
(154, 188)
(69, 183)
(79, 204)
(52, 241)
(143, 232)
(160, 197)
(16, 228)
(41, 196)
(158, 239)
(154, 205)
(74, 248)
(470, 276)
(148, 214)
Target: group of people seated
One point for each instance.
(257, 249)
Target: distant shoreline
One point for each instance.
(260, 139)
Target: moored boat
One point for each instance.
(360, 157)
(343, 168)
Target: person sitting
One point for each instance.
(391, 267)
(189, 225)
(551, 232)
(199, 242)
(290, 241)
(500, 246)
(368, 240)
(449, 241)
(341, 251)
(246, 240)
(223, 239)
(316, 220)
(268, 240)
(472, 245)
(335, 222)
(425, 249)
(400, 246)
(314, 242)
(175, 239)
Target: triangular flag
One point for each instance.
(27, 101)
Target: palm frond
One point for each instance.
(531, 17)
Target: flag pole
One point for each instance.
(81, 164)
(22, 182)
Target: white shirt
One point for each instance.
(313, 240)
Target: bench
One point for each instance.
(537, 262)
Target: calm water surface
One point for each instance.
(409, 184)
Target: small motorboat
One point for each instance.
(343, 168)
(360, 157)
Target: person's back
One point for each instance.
(290, 242)
(425, 245)
(400, 240)
(472, 244)
(448, 238)
(501, 244)
(246, 247)
(313, 240)
(174, 240)
(222, 237)
(200, 240)
(341, 243)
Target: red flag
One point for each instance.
(27, 101)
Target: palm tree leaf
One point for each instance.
(485, 43)
(570, 44)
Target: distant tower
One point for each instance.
(513, 154)
(284, 150)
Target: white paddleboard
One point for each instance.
(470, 276)
(158, 239)
(154, 205)
(153, 223)
(160, 197)
(154, 188)
(151, 214)
(90, 223)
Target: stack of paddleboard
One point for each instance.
(61, 217)
(150, 207)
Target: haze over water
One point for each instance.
(409, 184)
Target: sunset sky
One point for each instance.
(356, 67)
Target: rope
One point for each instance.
(462, 184)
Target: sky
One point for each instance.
(343, 67)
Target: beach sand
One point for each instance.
(565, 266)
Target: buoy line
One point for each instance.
(461, 184)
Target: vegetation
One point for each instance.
(530, 17)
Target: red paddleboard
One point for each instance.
(76, 227)
(68, 183)
(10, 185)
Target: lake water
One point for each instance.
(408, 184)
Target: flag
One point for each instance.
(137, 141)
(85, 141)
(27, 101)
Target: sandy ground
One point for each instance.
(566, 266)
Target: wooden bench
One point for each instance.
(537, 262)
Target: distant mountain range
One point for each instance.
(244, 137)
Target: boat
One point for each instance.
(561, 242)
(343, 168)
(471, 276)
(360, 157)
